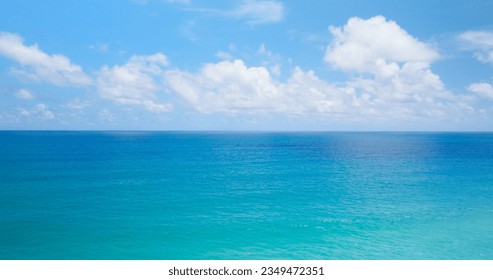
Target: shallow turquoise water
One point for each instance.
(183, 195)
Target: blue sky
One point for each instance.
(246, 65)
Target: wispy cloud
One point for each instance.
(187, 30)
(24, 94)
(38, 65)
(78, 104)
(254, 12)
(100, 47)
(258, 12)
(481, 42)
(40, 111)
(482, 89)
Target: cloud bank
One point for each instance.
(389, 77)
(393, 80)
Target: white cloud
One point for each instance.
(254, 12)
(24, 94)
(482, 89)
(259, 12)
(226, 86)
(375, 46)
(411, 82)
(135, 82)
(482, 42)
(232, 87)
(39, 66)
(394, 67)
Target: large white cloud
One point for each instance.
(37, 65)
(232, 87)
(136, 82)
(376, 46)
(393, 67)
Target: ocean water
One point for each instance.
(200, 195)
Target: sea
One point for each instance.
(132, 195)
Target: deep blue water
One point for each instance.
(185, 195)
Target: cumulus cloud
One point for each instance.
(233, 87)
(135, 82)
(37, 65)
(394, 67)
(390, 79)
(481, 42)
(375, 46)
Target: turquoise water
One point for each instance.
(182, 195)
